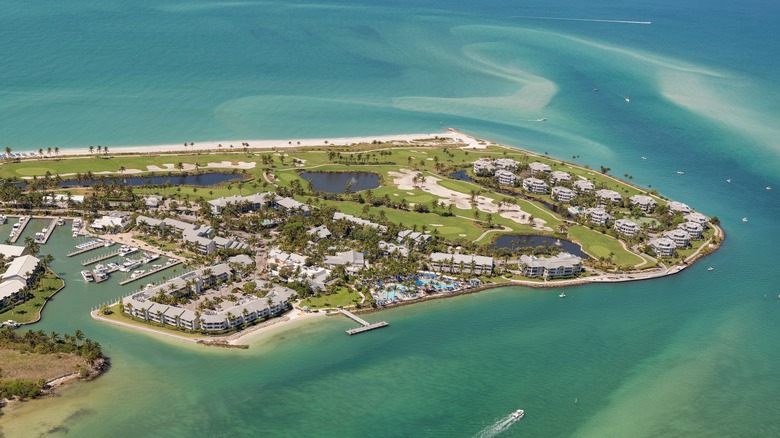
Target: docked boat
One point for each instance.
(129, 264)
(87, 276)
(60, 221)
(518, 414)
(137, 273)
(40, 236)
(109, 243)
(125, 250)
(112, 266)
(3, 218)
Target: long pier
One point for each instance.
(364, 325)
(95, 245)
(100, 258)
(24, 221)
(146, 274)
(49, 231)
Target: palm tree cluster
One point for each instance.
(40, 342)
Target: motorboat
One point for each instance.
(40, 237)
(768, 188)
(60, 221)
(728, 180)
(125, 250)
(87, 276)
(710, 268)
(562, 295)
(744, 219)
(680, 172)
(129, 264)
(109, 243)
(518, 414)
(3, 218)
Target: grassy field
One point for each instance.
(600, 245)
(342, 297)
(31, 309)
(34, 366)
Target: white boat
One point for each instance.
(562, 295)
(88, 276)
(3, 218)
(644, 158)
(628, 99)
(768, 188)
(60, 221)
(710, 268)
(744, 219)
(127, 250)
(680, 172)
(109, 243)
(728, 180)
(45, 230)
(518, 414)
(129, 264)
(17, 225)
(39, 237)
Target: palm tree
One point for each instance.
(8, 152)
(57, 151)
(91, 149)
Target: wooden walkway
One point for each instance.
(364, 325)
(100, 258)
(25, 221)
(95, 245)
(146, 274)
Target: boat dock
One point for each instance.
(364, 325)
(146, 274)
(24, 220)
(100, 258)
(89, 246)
(49, 231)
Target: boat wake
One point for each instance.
(497, 428)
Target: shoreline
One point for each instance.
(214, 146)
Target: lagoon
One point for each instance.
(202, 180)
(532, 241)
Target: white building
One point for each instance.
(115, 222)
(484, 167)
(608, 195)
(643, 202)
(318, 233)
(505, 177)
(662, 246)
(22, 268)
(679, 237)
(562, 265)
(697, 218)
(583, 185)
(627, 227)
(537, 167)
(559, 176)
(535, 185)
(563, 194)
(473, 264)
(597, 215)
(388, 248)
(675, 206)
(353, 261)
(348, 217)
(414, 238)
(505, 163)
(694, 229)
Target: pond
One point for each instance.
(204, 180)
(336, 182)
(531, 241)
(461, 175)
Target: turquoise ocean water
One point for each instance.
(690, 355)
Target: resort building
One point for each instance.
(675, 206)
(697, 218)
(505, 163)
(562, 265)
(152, 201)
(484, 167)
(319, 233)
(505, 177)
(11, 251)
(679, 237)
(694, 229)
(388, 248)
(627, 227)
(537, 167)
(258, 201)
(535, 185)
(241, 259)
(473, 264)
(662, 246)
(61, 201)
(353, 261)
(597, 215)
(643, 202)
(115, 222)
(199, 237)
(348, 217)
(9, 289)
(414, 238)
(608, 196)
(23, 269)
(558, 176)
(583, 185)
(563, 194)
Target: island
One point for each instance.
(240, 236)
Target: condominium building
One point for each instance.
(626, 227)
(473, 264)
(561, 265)
(643, 202)
(694, 229)
(608, 196)
(356, 220)
(662, 246)
(583, 185)
(505, 177)
(537, 167)
(505, 163)
(697, 218)
(563, 194)
(597, 215)
(535, 185)
(559, 176)
(675, 206)
(483, 167)
(679, 237)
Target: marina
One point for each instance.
(100, 258)
(143, 274)
(86, 247)
(18, 228)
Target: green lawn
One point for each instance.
(600, 245)
(342, 297)
(31, 309)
